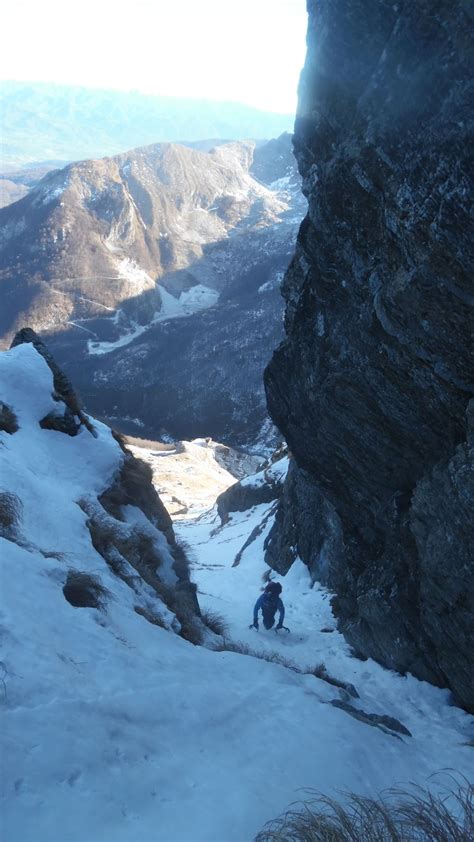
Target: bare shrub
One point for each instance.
(10, 513)
(8, 421)
(191, 628)
(243, 649)
(215, 622)
(84, 591)
(410, 815)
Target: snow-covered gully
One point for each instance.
(117, 729)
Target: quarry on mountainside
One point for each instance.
(372, 387)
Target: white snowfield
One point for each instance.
(115, 730)
(190, 301)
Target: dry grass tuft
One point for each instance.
(10, 513)
(8, 420)
(243, 649)
(82, 590)
(215, 622)
(192, 628)
(411, 815)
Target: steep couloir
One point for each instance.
(373, 383)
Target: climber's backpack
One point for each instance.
(270, 603)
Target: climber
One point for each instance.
(269, 602)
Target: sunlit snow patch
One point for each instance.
(128, 270)
(191, 301)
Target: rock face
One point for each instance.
(372, 385)
(253, 490)
(301, 506)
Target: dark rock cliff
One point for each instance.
(372, 386)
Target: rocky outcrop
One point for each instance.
(372, 385)
(69, 415)
(301, 506)
(262, 487)
(124, 518)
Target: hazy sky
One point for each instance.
(246, 50)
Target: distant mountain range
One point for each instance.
(43, 122)
(155, 276)
(17, 183)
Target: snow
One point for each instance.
(188, 478)
(276, 473)
(48, 196)
(197, 298)
(116, 729)
(129, 270)
(281, 183)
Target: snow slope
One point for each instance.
(190, 301)
(117, 729)
(190, 476)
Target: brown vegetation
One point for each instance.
(8, 420)
(84, 591)
(215, 622)
(413, 815)
(10, 513)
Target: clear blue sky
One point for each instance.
(250, 51)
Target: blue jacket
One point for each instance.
(262, 600)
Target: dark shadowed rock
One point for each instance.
(377, 720)
(372, 385)
(293, 534)
(133, 486)
(240, 497)
(8, 420)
